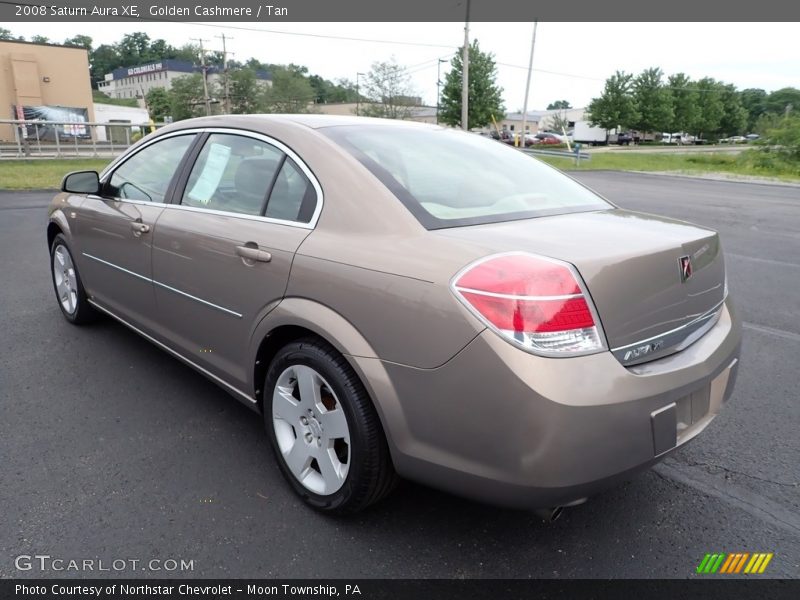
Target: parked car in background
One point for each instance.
(734, 139)
(752, 137)
(624, 138)
(547, 139)
(395, 298)
(678, 138)
(560, 136)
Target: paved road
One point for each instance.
(111, 449)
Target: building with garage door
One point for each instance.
(45, 82)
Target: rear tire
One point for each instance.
(67, 284)
(324, 429)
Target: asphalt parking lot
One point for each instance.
(112, 449)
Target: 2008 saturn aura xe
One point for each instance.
(403, 299)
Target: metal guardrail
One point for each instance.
(575, 154)
(58, 139)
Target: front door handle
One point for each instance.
(253, 254)
(139, 228)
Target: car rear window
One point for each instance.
(449, 178)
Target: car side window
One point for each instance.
(147, 174)
(233, 173)
(293, 198)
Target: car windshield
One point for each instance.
(449, 178)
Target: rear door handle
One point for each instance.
(139, 228)
(253, 254)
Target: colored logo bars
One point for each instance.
(738, 562)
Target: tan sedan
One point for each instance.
(404, 299)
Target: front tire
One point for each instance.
(68, 285)
(324, 430)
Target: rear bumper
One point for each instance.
(503, 426)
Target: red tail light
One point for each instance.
(535, 302)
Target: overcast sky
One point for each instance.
(571, 61)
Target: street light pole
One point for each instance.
(527, 87)
(438, 85)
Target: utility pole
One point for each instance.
(358, 94)
(465, 77)
(225, 78)
(206, 99)
(528, 87)
(438, 85)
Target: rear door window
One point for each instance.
(233, 173)
(293, 197)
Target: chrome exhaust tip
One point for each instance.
(550, 514)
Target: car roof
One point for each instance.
(313, 121)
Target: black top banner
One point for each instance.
(272, 11)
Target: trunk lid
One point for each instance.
(631, 264)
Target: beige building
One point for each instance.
(46, 82)
(540, 120)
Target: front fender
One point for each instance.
(60, 207)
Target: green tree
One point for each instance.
(246, 94)
(653, 101)
(734, 115)
(186, 97)
(615, 107)
(103, 60)
(683, 97)
(81, 41)
(328, 91)
(290, 91)
(485, 97)
(134, 49)
(783, 139)
(5, 34)
(389, 91)
(711, 109)
(158, 104)
(558, 105)
(754, 102)
(187, 52)
(40, 39)
(783, 100)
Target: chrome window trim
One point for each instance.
(241, 132)
(673, 340)
(235, 215)
(176, 354)
(128, 201)
(164, 285)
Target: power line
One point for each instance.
(552, 72)
(318, 35)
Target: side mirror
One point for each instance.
(81, 182)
